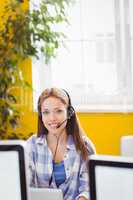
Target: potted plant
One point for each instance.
(20, 33)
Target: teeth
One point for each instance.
(53, 125)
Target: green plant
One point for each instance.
(20, 33)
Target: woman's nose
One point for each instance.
(52, 116)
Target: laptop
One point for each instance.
(45, 193)
(111, 177)
(13, 184)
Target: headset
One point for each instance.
(70, 113)
(70, 109)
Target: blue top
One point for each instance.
(59, 173)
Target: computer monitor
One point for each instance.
(126, 145)
(13, 184)
(110, 177)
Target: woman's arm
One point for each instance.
(84, 193)
(30, 161)
(83, 187)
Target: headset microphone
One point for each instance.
(70, 114)
(59, 125)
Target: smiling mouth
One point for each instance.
(53, 125)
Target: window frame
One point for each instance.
(123, 55)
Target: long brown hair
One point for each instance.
(72, 126)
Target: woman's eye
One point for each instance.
(59, 111)
(45, 112)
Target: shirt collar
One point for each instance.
(41, 140)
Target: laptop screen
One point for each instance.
(111, 178)
(12, 172)
(46, 194)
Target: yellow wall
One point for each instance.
(105, 129)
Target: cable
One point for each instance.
(50, 181)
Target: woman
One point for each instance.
(59, 152)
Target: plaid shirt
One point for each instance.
(41, 167)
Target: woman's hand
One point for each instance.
(82, 198)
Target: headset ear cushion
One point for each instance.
(70, 112)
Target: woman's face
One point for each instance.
(54, 112)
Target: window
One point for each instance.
(95, 66)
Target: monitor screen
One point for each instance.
(111, 179)
(114, 183)
(12, 173)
